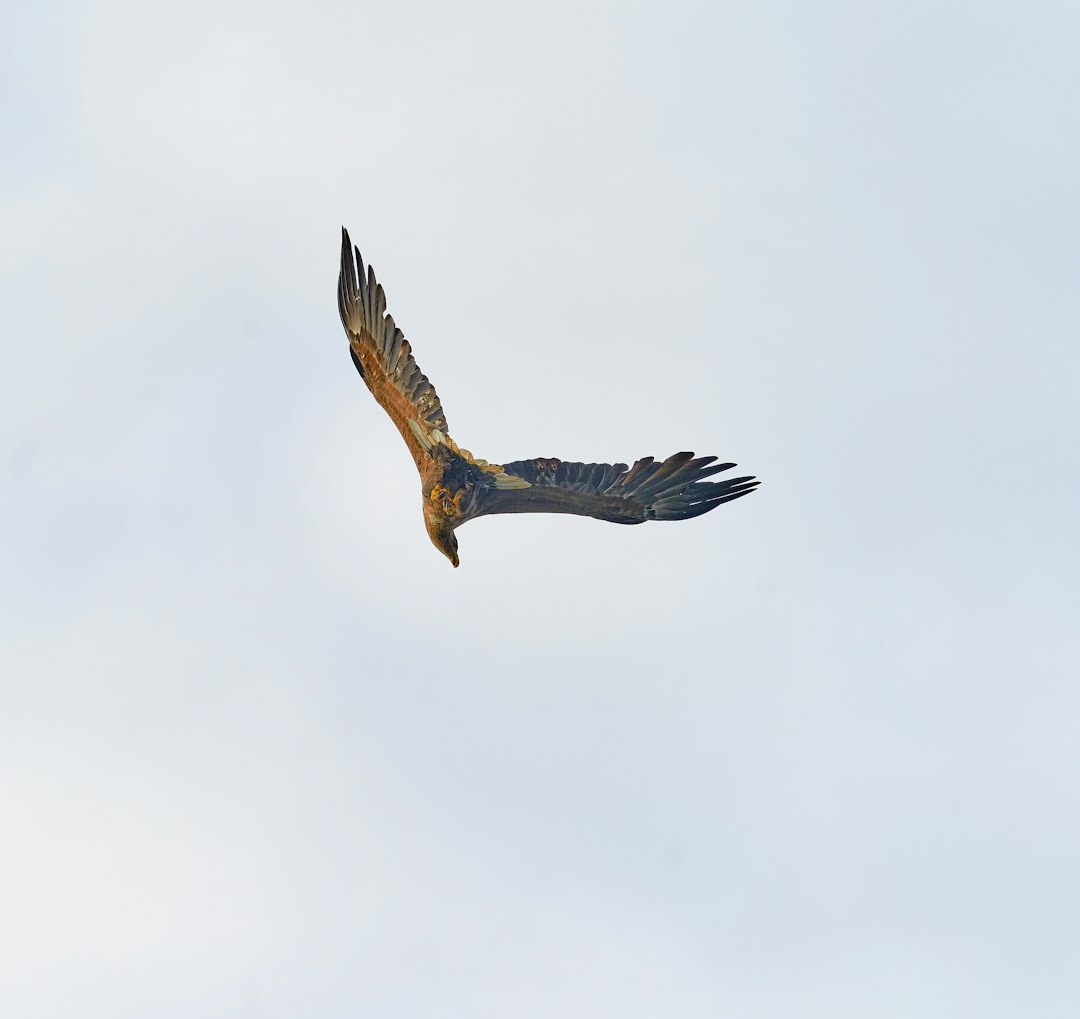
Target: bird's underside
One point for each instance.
(458, 487)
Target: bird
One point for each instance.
(457, 487)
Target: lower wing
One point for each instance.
(672, 490)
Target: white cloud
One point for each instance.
(262, 751)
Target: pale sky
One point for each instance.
(264, 753)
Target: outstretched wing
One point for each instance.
(383, 356)
(672, 490)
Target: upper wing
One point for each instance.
(672, 490)
(383, 356)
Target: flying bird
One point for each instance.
(458, 487)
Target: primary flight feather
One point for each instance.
(458, 487)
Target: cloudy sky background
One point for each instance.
(264, 753)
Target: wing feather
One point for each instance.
(674, 489)
(383, 356)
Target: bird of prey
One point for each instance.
(458, 487)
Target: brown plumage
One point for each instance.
(458, 487)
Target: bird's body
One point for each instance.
(457, 487)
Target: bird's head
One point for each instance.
(441, 532)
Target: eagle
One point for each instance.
(458, 487)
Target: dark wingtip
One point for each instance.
(347, 288)
(346, 249)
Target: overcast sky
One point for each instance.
(263, 753)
